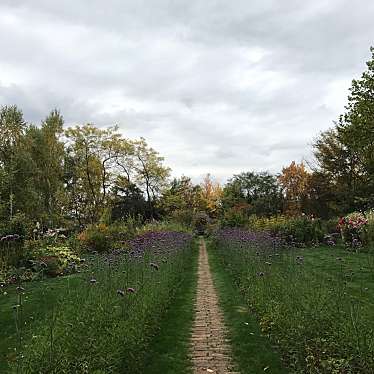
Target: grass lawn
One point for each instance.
(316, 304)
(38, 298)
(169, 349)
(339, 264)
(166, 352)
(252, 351)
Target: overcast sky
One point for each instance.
(214, 86)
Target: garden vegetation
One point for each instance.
(97, 244)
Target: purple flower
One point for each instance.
(154, 265)
(131, 290)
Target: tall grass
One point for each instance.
(318, 311)
(104, 324)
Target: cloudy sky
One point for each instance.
(215, 86)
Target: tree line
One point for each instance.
(53, 175)
(56, 175)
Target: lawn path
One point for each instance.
(211, 352)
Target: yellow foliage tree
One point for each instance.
(295, 184)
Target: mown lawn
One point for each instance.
(356, 270)
(168, 352)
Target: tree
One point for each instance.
(295, 184)
(47, 154)
(345, 154)
(338, 165)
(211, 195)
(322, 197)
(128, 201)
(256, 193)
(92, 155)
(181, 200)
(151, 174)
(12, 129)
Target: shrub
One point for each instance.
(95, 238)
(200, 223)
(352, 228)
(55, 260)
(368, 233)
(183, 216)
(235, 217)
(297, 230)
(19, 225)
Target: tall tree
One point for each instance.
(345, 154)
(12, 130)
(258, 192)
(151, 174)
(211, 196)
(295, 184)
(91, 153)
(47, 153)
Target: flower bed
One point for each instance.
(104, 324)
(315, 307)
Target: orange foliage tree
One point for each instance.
(295, 184)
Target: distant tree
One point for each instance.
(181, 194)
(256, 193)
(295, 186)
(13, 161)
(322, 197)
(91, 155)
(210, 196)
(47, 153)
(151, 174)
(129, 202)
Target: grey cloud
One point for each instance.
(214, 86)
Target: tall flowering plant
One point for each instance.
(352, 227)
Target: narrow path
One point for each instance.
(211, 351)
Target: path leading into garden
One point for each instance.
(211, 351)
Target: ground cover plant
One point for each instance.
(105, 321)
(315, 304)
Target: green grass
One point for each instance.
(36, 305)
(252, 351)
(169, 349)
(105, 322)
(339, 265)
(315, 304)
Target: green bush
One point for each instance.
(234, 217)
(296, 230)
(19, 225)
(102, 237)
(95, 238)
(368, 234)
(183, 216)
(200, 223)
